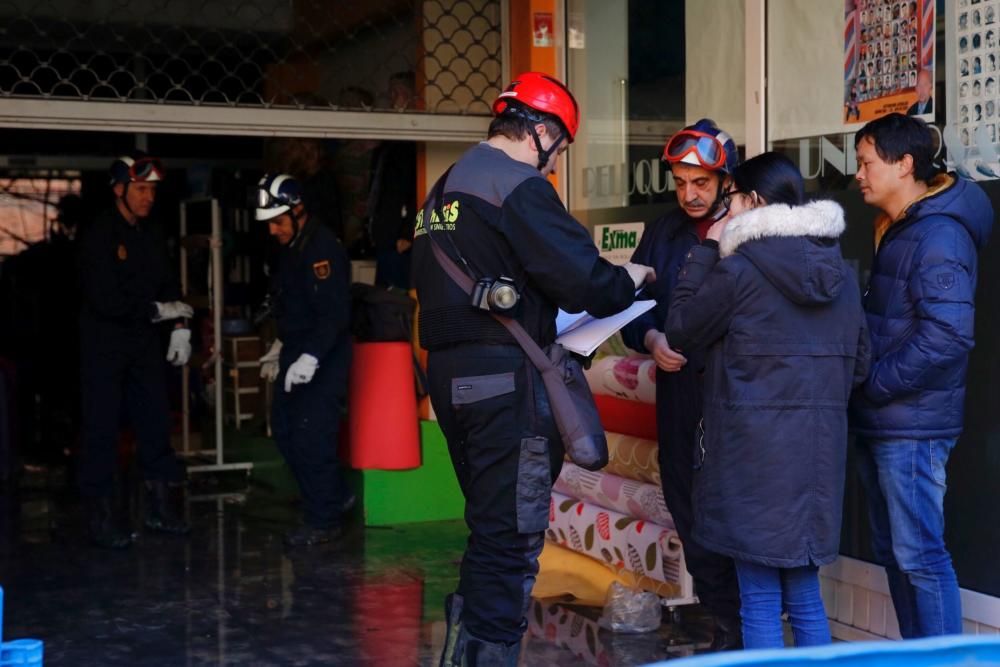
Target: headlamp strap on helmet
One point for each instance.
(544, 155)
(534, 119)
(295, 225)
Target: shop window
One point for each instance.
(641, 71)
(829, 72)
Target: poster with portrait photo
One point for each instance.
(893, 42)
(972, 34)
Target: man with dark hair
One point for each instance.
(501, 220)
(908, 415)
(701, 158)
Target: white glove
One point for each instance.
(171, 310)
(180, 347)
(301, 371)
(269, 366)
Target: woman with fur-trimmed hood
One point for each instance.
(769, 295)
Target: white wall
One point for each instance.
(714, 78)
(856, 596)
(805, 61)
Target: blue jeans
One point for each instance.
(905, 484)
(765, 591)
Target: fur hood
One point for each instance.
(822, 218)
(794, 247)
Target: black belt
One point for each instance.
(453, 325)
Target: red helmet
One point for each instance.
(543, 93)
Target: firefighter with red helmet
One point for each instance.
(501, 220)
(701, 158)
(129, 296)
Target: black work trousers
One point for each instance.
(125, 368)
(678, 414)
(505, 447)
(306, 424)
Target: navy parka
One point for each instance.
(781, 316)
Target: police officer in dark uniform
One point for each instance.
(500, 216)
(701, 158)
(128, 290)
(311, 358)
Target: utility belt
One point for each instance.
(453, 325)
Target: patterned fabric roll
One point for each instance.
(624, 542)
(633, 458)
(632, 378)
(642, 500)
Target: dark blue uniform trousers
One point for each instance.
(128, 368)
(678, 413)
(491, 406)
(306, 423)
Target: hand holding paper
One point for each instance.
(583, 333)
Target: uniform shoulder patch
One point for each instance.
(122, 252)
(322, 269)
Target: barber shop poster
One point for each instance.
(972, 131)
(888, 59)
(976, 80)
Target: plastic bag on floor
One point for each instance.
(629, 611)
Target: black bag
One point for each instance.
(573, 407)
(380, 315)
(570, 398)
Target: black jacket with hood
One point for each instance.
(781, 316)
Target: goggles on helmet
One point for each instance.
(266, 200)
(145, 169)
(706, 148)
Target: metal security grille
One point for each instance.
(440, 56)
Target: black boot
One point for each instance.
(728, 634)
(453, 617)
(160, 516)
(471, 651)
(101, 525)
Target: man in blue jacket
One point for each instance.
(920, 306)
(701, 158)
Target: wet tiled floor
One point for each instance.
(231, 594)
